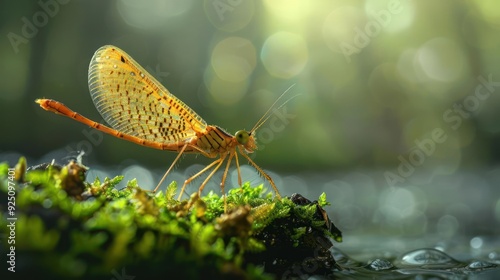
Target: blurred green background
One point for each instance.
(376, 80)
(374, 76)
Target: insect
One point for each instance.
(141, 110)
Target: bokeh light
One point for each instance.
(393, 16)
(232, 62)
(229, 16)
(234, 59)
(284, 54)
(338, 28)
(151, 14)
(490, 12)
(442, 60)
(289, 11)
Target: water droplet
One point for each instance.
(343, 259)
(476, 242)
(107, 57)
(142, 75)
(115, 66)
(132, 74)
(380, 264)
(427, 258)
(480, 265)
(494, 256)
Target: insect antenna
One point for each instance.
(271, 109)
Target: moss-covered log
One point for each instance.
(66, 227)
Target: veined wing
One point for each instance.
(133, 102)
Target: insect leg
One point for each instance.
(170, 168)
(218, 161)
(238, 168)
(232, 153)
(261, 172)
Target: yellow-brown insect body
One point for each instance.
(141, 110)
(215, 141)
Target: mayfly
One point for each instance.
(141, 110)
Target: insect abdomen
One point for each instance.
(214, 140)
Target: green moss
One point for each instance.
(67, 227)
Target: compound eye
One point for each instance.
(242, 137)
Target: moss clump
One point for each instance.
(69, 228)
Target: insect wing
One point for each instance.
(132, 101)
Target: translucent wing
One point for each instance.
(132, 101)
